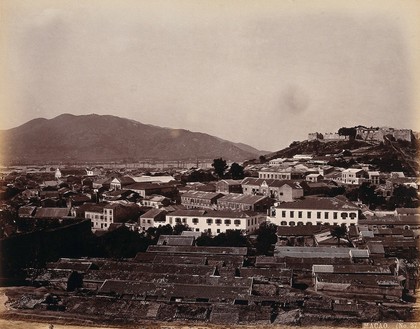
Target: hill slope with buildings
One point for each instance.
(94, 138)
(389, 155)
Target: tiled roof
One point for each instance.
(199, 250)
(313, 252)
(407, 211)
(242, 198)
(213, 213)
(201, 195)
(321, 203)
(51, 212)
(231, 181)
(152, 213)
(271, 182)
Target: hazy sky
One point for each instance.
(260, 72)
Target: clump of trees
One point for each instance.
(232, 238)
(266, 238)
(219, 166)
(344, 131)
(236, 171)
(338, 233)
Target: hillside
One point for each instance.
(101, 138)
(387, 156)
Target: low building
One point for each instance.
(315, 211)
(145, 189)
(120, 182)
(51, 213)
(314, 178)
(155, 201)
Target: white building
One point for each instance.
(215, 222)
(315, 211)
(353, 176)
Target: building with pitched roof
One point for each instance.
(229, 186)
(315, 211)
(243, 202)
(281, 190)
(216, 221)
(200, 199)
(152, 218)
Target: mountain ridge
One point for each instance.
(101, 138)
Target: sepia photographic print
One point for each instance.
(209, 164)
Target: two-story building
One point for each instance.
(280, 190)
(229, 186)
(215, 221)
(315, 211)
(152, 218)
(103, 215)
(353, 176)
(242, 202)
(200, 199)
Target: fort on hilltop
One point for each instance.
(377, 134)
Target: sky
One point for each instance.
(264, 73)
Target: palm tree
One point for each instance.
(338, 232)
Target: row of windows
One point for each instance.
(293, 223)
(196, 201)
(216, 221)
(299, 214)
(274, 176)
(96, 224)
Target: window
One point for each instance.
(334, 215)
(318, 215)
(197, 230)
(218, 221)
(299, 214)
(292, 214)
(308, 224)
(343, 215)
(227, 221)
(209, 221)
(218, 230)
(195, 220)
(283, 223)
(237, 222)
(308, 214)
(177, 220)
(292, 223)
(283, 213)
(352, 215)
(325, 215)
(300, 223)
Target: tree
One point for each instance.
(236, 171)
(219, 166)
(266, 237)
(179, 228)
(403, 197)
(351, 132)
(338, 232)
(232, 238)
(262, 159)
